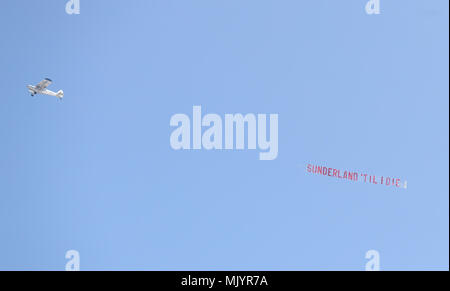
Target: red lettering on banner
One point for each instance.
(365, 177)
(353, 176)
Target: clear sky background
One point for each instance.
(96, 172)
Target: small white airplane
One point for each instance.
(41, 88)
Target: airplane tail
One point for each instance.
(60, 94)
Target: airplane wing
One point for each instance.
(44, 84)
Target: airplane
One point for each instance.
(41, 88)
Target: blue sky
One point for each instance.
(96, 172)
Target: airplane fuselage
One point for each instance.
(37, 90)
